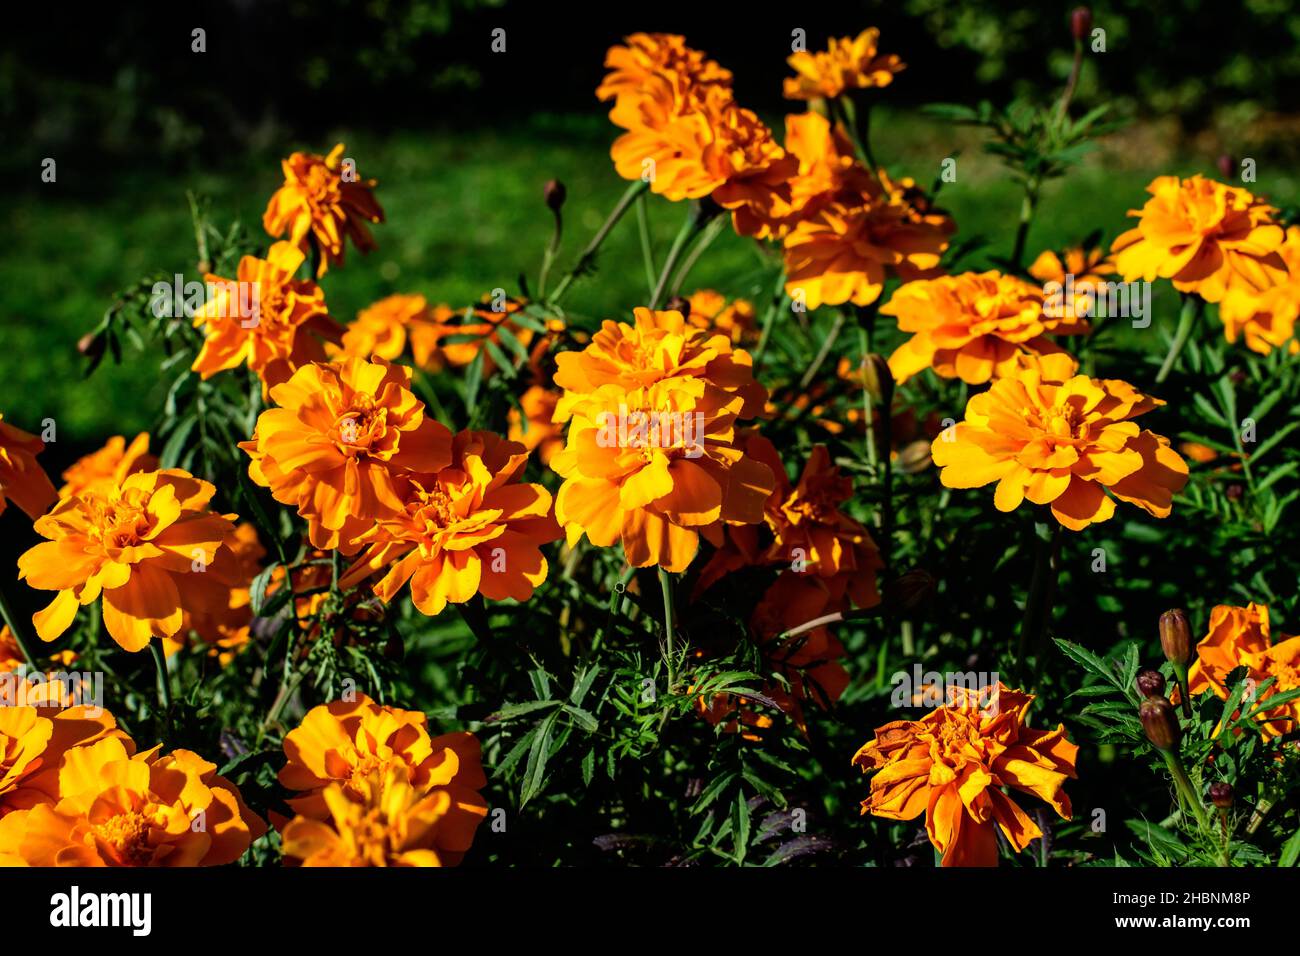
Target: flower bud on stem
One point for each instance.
(1176, 642)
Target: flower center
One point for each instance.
(128, 835)
(361, 426)
(1063, 422)
(122, 522)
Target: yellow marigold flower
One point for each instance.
(710, 310)
(115, 809)
(1062, 444)
(324, 203)
(658, 346)
(395, 826)
(33, 742)
(806, 531)
(351, 749)
(384, 329)
(843, 252)
(651, 54)
(972, 326)
(471, 528)
(953, 764)
(654, 468)
(847, 64)
(1267, 319)
(103, 470)
(340, 442)
(219, 609)
(532, 424)
(133, 546)
(1239, 637)
(265, 319)
(22, 480)
(1206, 237)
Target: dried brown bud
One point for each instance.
(909, 590)
(554, 193)
(1160, 722)
(1175, 636)
(1080, 23)
(915, 457)
(1221, 795)
(1151, 683)
(1235, 492)
(1227, 166)
(678, 304)
(877, 380)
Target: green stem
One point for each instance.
(769, 318)
(1180, 672)
(689, 230)
(589, 253)
(19, 633)
(1028, 206)
(1191, 311)
(548, 258)
(670, 650)
(711, 232)
(164, 680)
(827, 344)
(1184, 784)
(643, 230)
(1042, 585)
(474, 613)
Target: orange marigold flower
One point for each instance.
(22, 480)
(657, 347)
(323, 202)
(116, 809)
(494, 315)
(1267, 319)
(103, 470)
(132, 545)
(265, 318)
(341, 440)
(1239, 637)
(532, 424)
(471, 528)
(808, 532)
(709, 310)
(1206, 237)
(972, 326)
(847, 64)
(1062, 444)
(33, 742)
(843, 252)
(651, 54)
(952, 764)
(350, 750)
(384, 329)
(12, 659)
(219, 609)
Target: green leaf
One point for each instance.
(1290, 851)
(538, 755)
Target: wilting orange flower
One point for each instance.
(710, 310)
(357, 750)
(1206, 237)
(339, 444)
(103, 470)
(218, 602)
(33, 742)
(383, 330)
(324, 202)
(1239, 637)
(847, 64)
(808, 531)
(265, 318)
(650, 457)
(22, 480)
(133, 545)
(115, 809)
(1062, 444)
(952, 764)
(532, 424)
(844, 251)
(471, 528)
(658, 346)
(972, 326)
(1267, 319)
(687, 135)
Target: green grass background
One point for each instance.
(464, 215)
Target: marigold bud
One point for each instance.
(1151, 683)
(1221, 795)
(1080, 23)
(678, 304)
(876, 379)
(1175, 636)
(1227, 166)
(909, 590)
(554, 193)
(915, 457)
(1160, 722)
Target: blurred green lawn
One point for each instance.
(464, 215)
